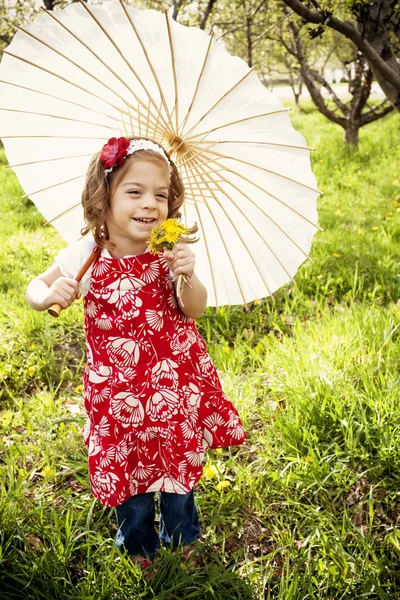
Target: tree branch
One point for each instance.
(370, 117)
(207, 13)
(349, 31)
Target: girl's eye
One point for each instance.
(134, 192)
(162, 196)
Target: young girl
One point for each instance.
(152, 395)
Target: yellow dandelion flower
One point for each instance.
(256, 302)
(309, 459)
(319, 276)
(395, 203)
(210, 472)
(32, 347)
(79, 388)
(165, 235)
(360, 232)
(225, 349)
(338, 212)
(336, 255)
(222, 485)
(48, 472)
(219, 450)
(375, 228)
(31, 370)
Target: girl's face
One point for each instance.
(138, 203)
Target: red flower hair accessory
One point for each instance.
(114, 153)
(116, 150)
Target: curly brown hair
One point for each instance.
(99, 188)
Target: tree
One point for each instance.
(299, 42)
(374, 28)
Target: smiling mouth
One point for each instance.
(145, 221)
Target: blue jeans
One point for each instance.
(179, 522)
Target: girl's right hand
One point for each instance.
(63, 292)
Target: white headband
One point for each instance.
(142, 144)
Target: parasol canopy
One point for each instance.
(78, 76)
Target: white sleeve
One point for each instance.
(70, 259)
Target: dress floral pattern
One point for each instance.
(152, 394)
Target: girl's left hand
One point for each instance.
(181, 260)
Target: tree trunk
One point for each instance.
(351, 133)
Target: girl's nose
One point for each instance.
(149, 201)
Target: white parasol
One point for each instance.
(78, 76)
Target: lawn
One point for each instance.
(309, 507)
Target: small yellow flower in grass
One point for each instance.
(398, 209)
(336, 255)
(309, 459)
(210, 472)
(396, 182)
(32, 347)
(31, 371)
(388, 218)
(375, 228)
(256, 302)
(321, 161)
(225, 349)
(48, 472)
(395, 203)
(79, 388)
(360, 232)
(319, 276)
(219, 450)
(222, 485)
(338, 212)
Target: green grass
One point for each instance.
(311, 509)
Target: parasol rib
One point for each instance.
(56, 137)
(171, 45)
(207, 250)
(23, 87)
(85, 6)
(39, 114)
(199, 152)
(84, 70)
(52, 186)
(240, 236)
(44, 160)
(245, 162)
(28, 62)
(220, 100)
(192, 147)
(257, 231)
(197, 85)
(149, 63)
(271, 195)
(65, 212)
(265, 214)
(205, 133)
(213, 162)
(222, 239)
(275, 144)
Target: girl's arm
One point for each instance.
(194, 300)
(51, 287)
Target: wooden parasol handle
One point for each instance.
(55, 309)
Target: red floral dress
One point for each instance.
(152, 394)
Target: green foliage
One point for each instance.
(308, 507)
